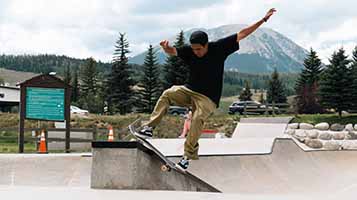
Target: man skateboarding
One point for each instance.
(203, 90)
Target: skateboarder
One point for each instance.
(203, 90)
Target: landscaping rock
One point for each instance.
(322, 126)
(300, 135)
(332, 145)
(306, 126)
(355, 127)
(337, 127)
(349, 127)
(312, 134)
(325, 135)
(351, 135)
(349, 144)
(313, 143)
(339, 135)
(220, 135)
(293, 126)
(290, 131)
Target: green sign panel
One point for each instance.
(45, 103)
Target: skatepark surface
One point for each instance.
(286, 173)
(280, 170)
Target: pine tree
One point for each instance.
(90, 98)
(89, 77)
(276, 91)
(150, 82)
(354, 77)
(336, 83)
(119, 85)
(75, 86)
(307, 85)
(67, 79)
(176, 72)
(245, 94)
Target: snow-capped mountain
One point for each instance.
(260, 52)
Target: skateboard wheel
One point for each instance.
(165, 168)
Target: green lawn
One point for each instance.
(329, 118)
(170, 127)
(14, 147)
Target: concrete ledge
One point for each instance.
(130, 165)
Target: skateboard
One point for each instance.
(167, 165)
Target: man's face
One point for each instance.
(199, 50)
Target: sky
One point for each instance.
(89, 28)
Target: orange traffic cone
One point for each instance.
(111, 134)
(42, 148)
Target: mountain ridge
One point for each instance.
(260, 52)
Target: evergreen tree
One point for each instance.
(67, 75)
(176, 72)
(276, 91)
(354, 77)
(150, 82)
(307, 85)
(336, 83)
(245, 94)
(90, 97)
(75, 86)
(89, 77)
(119, 85)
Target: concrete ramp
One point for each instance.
(130, 165)
(215, 147)
(258, 130)
(50, 170)
(286, 170)
(261, 127)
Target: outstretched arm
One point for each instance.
(167, 48)
(247, 31)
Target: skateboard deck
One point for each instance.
(167, 164)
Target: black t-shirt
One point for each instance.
(206, 73)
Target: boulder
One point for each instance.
(290, 131)
(337, 127)
(325, 135)
(220, 135)
(355, 127)
(341, 135)
(300, 135)
(306, 126)
(312, 134)
(313, 143)
(332, 145)
(351, 135)
(349, 127)
(349, 144)
(293, 126)
(322, 126)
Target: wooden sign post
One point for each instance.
(47, 98)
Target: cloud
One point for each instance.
(82, 29)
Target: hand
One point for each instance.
(164, 44)
(269, 14)
(167, 48)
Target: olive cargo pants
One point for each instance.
(202, 108)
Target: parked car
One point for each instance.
(78, 111)
(177, 110)
(252, 107)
